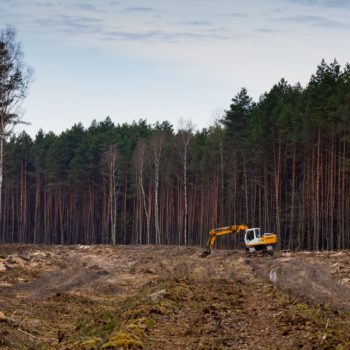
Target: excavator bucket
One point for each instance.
(205, 253)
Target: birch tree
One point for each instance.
(139, 163)
(14, 81)
(156, 145)
(109, 161)
(183, 138)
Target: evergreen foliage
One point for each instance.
(281, 163)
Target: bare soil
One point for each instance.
(166, 297)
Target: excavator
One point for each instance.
(253, 238)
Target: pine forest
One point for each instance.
(281, 163)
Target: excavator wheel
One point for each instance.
(268, 250)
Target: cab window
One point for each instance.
(250, 235)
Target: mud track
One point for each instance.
(102, 297)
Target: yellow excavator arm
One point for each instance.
(220, 232)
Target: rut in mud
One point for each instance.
(102, 297)
(306, 279)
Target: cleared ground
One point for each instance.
(151, 297)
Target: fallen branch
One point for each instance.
(31, 335)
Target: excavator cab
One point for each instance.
(252, 235)
(256, 241)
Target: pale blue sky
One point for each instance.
(166, 60)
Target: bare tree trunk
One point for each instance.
(317, 195)
(37, 209)
(2, 137)
(148, 226)
(183, 139)
(112, 193)
(139, 161)
(291, 228)
(185, 196)
(222, 189)
(156, 203)
(109, 161)
(157, 145)
(277, 172)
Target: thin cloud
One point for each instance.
(86, 7)
(75, 24)
(267, 30)
(84, 17)
(198, 23)
(336, 3)
(133, 36)
(302, 19)
(46, 4)
(236, 14)
(326, 3)
(159, 35)
(319, 21)
(195, 36)
(139, 9)
(193, 23)
(305, 2)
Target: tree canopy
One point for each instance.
(281, 163)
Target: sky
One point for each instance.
(166, 60)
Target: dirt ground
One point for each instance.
(167, 297)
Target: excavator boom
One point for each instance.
(220, 232)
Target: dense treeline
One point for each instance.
(281, 163)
